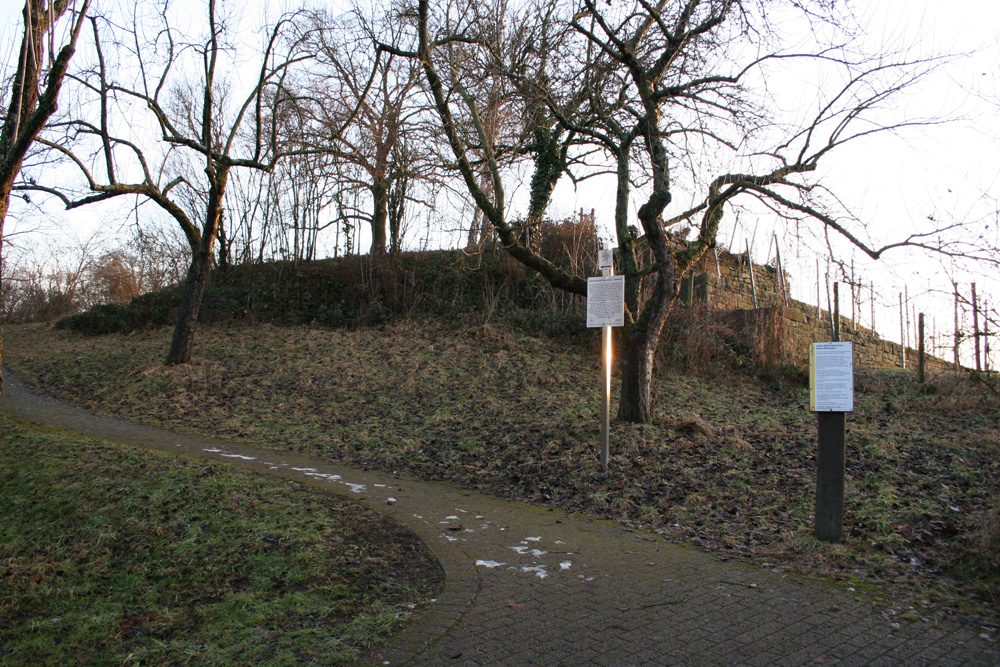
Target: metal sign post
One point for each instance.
(831, 397)
(605, 309)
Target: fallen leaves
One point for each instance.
(728, 464)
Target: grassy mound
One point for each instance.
(728, 464)
(353, 291)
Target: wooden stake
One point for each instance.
(854, 320)
(902, 333)
(986, 337)
(906, 301)
(819, 301)
(873, 308)
(920, 358)
(781, 272)
(957, 330)
(975, 328)
(836, 312)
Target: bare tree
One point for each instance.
(26, 103)
(659, 88)
(384, 152)
(199, 131)
(506, 41)
(278, 214)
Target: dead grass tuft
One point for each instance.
(986, 543)
(489, 332)
(693, 425)
(739, 443)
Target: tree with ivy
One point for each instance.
(656, 93)
(33, 94)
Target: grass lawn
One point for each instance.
(112, 555)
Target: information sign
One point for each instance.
(831, 377)
(605, 259)
(606, 301)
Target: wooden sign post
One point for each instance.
(831, 396)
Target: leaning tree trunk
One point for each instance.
(4, 204)
(182, 343)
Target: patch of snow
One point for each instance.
(520, 550)
(451, 518)
(322, 475)
(489, 563)
(304, 469)
(539, 570)
(356, 488)
(565, 565)
(240, 456)
(212, 450)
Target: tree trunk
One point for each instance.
(4, 204)
(639, 345)
(182, 343)
(635, 403)
(23, 99)
(473, 238)
(225, 246)
(397, 209)
(643, 338)
(380, 215)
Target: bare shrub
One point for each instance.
(111, 279)
(985, 547)
(37, 292)
(698, 340)
(571, 244)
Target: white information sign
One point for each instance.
(606, 301)
(831, 377)
(605, 259)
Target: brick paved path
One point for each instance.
(529, 585)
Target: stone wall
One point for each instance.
(726, 284)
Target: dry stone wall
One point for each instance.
(725, 282)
